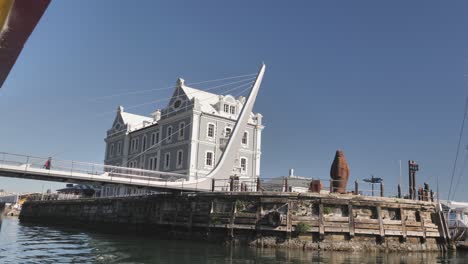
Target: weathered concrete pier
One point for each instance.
(307, 220)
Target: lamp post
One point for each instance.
(413, 167)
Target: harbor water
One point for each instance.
(30, 243)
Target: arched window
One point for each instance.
(181, 130)
(180, 158)
(167, 160)
(143, 143)
(119, 148)
(111, 150)
(169, 134)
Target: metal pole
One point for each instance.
(381, 190)
(212, 185)
(410, 187)
(356, 187)
(399, 191)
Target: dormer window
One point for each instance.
(226, 108)
(233, 109)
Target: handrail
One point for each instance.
(77, 166)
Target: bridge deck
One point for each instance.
(22, 166)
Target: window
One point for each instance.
(143, 143)
(211, 130)
(226, 108)
(135, 144)
(167, 160)
(243, 165)
(152, 163)
(153, 139)
(227, 132)
(245, 138)
(181, 130)
(209, 159)
(233, 109)
(119, 148)
(157, 137)
(132, 164)
(180, 157)
(169, 134)
(111, 150)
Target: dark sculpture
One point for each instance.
(339, 173)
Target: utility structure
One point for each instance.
(413, 167)
(373, 180)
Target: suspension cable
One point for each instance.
(465, 161)
(177, 96)
(191, 104)
(170, 87)
(458, 147)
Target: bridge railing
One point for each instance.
(90, 170)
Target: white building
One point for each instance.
(187, 137)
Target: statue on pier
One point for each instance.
(339, 173)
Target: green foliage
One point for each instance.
(327, 210)
(240, 205)
(302, 228)
(215, 219)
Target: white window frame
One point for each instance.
(180, 159)
(181, 130)
(242, 170)
(119, 148)
(111, 151)
(206, 159)
(225, 131)
(169, 135)
(226, 108)
(143, 143)
(153, 163)
(208, 131)
(246, 135)
(134, 144)
(167, 160)
(232, 110)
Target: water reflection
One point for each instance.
(25, 243)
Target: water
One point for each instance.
(27, 243)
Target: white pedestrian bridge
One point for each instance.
(31, 167)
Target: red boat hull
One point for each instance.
(22, 19)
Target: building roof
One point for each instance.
(207, 99)
(133, 119)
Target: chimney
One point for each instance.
(156, 115)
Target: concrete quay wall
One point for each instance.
(291, 220)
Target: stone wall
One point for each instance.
(309, 221)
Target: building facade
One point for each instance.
(187, 137)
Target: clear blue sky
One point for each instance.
(382, 80)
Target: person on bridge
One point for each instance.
(48, 163)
